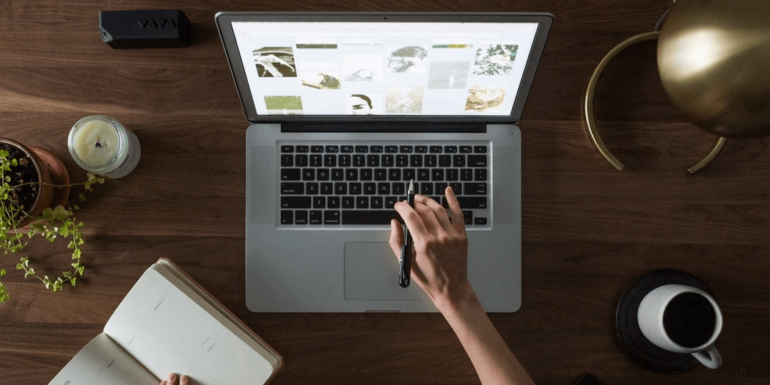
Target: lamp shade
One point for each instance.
(714, 63)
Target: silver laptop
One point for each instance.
(346, 109)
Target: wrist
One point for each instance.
(459, 298)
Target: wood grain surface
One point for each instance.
(589, 231)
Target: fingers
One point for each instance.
(175, 379)
(458, 220)
(396, 237)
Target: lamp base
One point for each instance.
(641, 350)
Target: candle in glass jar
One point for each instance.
(101, 145)
(96, 143)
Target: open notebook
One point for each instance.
(168, 323)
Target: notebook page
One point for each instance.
(167, 331)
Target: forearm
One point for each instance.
(493, 360)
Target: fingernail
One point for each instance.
(172, 377)
(184, 380)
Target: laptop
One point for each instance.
(345, 110)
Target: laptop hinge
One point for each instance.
(383, 126)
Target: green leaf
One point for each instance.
(76, 254)
(38, 227)
(73, 281)
(48, 214)
(2, 272)
(61, 213)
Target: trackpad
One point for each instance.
(371, 273)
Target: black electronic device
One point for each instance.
(145, 29)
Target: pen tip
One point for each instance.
(411, 185)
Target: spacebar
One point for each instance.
(368, 217)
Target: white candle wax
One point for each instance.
(96, 143)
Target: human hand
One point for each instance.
(440, 247)
(175, 379)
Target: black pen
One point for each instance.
(405, 264)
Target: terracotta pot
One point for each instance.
(50, 170)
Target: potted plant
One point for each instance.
(34, 188)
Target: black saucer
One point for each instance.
(644, 352)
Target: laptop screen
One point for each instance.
(393, 68)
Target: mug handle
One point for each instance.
(710, 357)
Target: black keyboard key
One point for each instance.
(355, 188)
(345, 160)
(426, 188)
(322, 174)
(480, 221)
(368, 217)
(402, 161)
(450, 149)
(333, 202)
(480, 149)
(287, 160)
(292, 188)
(423, 174)
(388, 161)
(406, 149)
(351, 174)
(287, 217)
(458, 161)
(466, 149)
(340, 188)
(394, 174)
(327, 188)
(362, 149)
(391, 149)
(338, 174)
(286, 148)
(370, 188)
(367, 174)
(466, 174)
(316, 217)
(362, 202)
(311, 188)
(300, 217)
(316, 160)
(319, 202)
(431, 161)
(348, 202)
(481, 174)
(472, 202)
(415, 160)
(376, 149)
(380, 174)
(437, 174)
(477, 161)
(435, 149)
(346, 149)
(475, 189)
(334, 149)
(359, 160)
(331, 217)
(291, 174)
(317, 149)
(308, 174)
(295, 202)
(383, 188)
(373, 161)
(330, 160)
(445, 160)
(421, 149)
(301, 160)
(376, 202)
(302, 149)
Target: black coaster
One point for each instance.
(644, 352)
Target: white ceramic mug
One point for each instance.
(678, 318)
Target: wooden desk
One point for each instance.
(589, 231)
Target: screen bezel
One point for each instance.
(224, 22)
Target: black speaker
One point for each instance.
(145, 29)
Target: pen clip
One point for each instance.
(404, 266)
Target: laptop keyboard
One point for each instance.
(358, 184)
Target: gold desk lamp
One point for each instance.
(714, 63)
